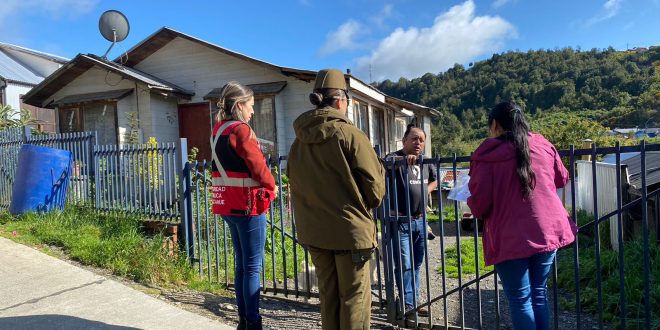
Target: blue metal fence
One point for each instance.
(80, 145)
(137, 179)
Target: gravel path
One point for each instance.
(291, 313)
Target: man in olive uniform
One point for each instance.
(336, 180)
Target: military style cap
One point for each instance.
(330, 78)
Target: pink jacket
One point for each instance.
(517, 228)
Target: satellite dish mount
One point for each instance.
(114, 27)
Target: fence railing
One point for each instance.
(455, 287)
(80, 144)
(604, 287)
(139, 179)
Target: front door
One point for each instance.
(195, 125)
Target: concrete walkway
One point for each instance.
(41, 292)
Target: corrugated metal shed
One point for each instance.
(635, 168)
(13, 71)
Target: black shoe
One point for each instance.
(254, 325)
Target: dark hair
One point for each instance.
(409, 128)
(510, 116)
(326, 96)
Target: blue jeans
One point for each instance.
(249, 236)
(524, 282)
(418, 239)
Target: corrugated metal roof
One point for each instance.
(12, 70)
(48, 56)
(258, 89)
(80, 98)
(635, 167)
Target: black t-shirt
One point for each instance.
(415, 185)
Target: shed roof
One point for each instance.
(80, 64)
(13, 71)
(634, 165)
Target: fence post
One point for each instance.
(27, 132)
(185, 203)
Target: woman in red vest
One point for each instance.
(243, 188)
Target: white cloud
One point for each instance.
(456, 36)
(384, 14)
(343, 38)
(610, 9)
(55, 8)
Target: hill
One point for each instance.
(607, 88)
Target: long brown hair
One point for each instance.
(509, 115)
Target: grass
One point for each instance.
(110, 241)
(609, 270)
(448, 215)
(468, 257)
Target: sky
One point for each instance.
(377, 40)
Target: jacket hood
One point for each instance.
(498, 149)
(318, 125)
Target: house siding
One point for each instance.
(201, 69)
(13, 93)
(98, 80)
(164, 118)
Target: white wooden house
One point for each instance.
(169, 84)
(20, 70)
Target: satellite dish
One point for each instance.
(114, 27)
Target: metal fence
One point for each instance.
(138, 179)
(605, 288)
(458, 293)
(80, 145)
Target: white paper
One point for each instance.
(461, 191)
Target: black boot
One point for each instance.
(242, 323)
(254, 325)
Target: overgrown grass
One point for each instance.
(448, 215)
(609, 271)
(468, 257)
(110, 241)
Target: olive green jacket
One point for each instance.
(336, 180)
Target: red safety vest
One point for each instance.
(234, 191)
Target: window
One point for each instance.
(96, 117)
(379, 128)
(263, 123)
(361, 114)
(397, 133)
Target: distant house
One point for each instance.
(169, 84)
(20, 70)
(636, 133)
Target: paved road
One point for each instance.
(41, 292)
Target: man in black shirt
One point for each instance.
(412, 230)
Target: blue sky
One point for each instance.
(376, 39)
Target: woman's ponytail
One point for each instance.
(509, 115)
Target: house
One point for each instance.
(167, 87)
(20, 70)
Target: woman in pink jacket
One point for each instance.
(514, 177)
